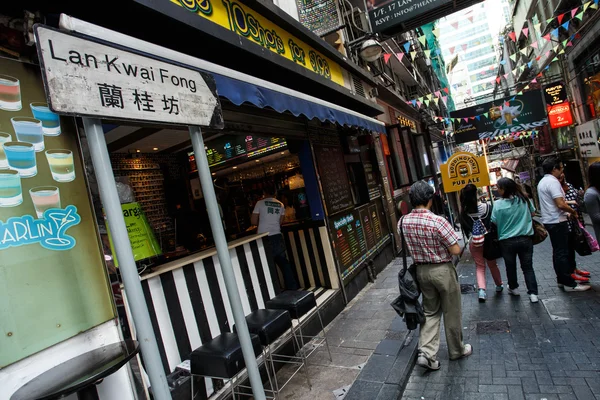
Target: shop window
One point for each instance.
(409, 153)
(423, 157)
(399, 160)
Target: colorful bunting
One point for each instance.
(538, 26)
(454, 25)
(436, 32)
(579, 16)
(524, 51)
(534, 45)
(422, 39)
(513, 36)
(555, 32)
(406, 47)
(400, 56)
(574, 11)
(464, 47)
(525, 31)
(594, 6)
(386, 57)
(566, 25)
(586, 5)
(451, 50)
(560, 18)
(413, 54)
(513, 57)
(427, 53)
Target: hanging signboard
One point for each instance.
(463, 168)
(588, 138)
(389, 16)
(560, 115)
(319, 16)
(85, 78)
(555, 93)
(502, 117)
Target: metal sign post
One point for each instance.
(92, 80)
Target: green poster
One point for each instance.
(141, 236)
(53, 283)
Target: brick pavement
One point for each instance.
(550, 350)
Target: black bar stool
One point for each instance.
(221, 358)
(300, 303)
(270, 325)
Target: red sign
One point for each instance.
(560, 115)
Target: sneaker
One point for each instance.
(482, 295)
(533, 298)
(426, 363)
(499, 288)
(514, 292)
(578, 278)
(467, 351)
(578, 288)
(560, 285)
(581, 272)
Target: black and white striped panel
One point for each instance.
(307, 252)
(189, 306)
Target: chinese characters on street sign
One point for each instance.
(587, 136)
(86, 78)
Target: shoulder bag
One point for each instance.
(539, 232)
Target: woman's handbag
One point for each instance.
(579, 241)
(590, 239)
(491, 246)
(539, 232)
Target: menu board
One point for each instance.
(232, 147)
(334, 179)
(347, 242)
(365, 217)
(376, 221)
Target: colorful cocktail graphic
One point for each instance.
(29, 130)
(61, 165)
(21, 158)
(11, 193)
(50, 121)
(10, 93)
(4, 137)
(44, 198)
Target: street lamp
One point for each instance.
(370, 50)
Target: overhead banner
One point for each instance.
(386, 14)
(588, 138)
(463, 168)
(509, 115)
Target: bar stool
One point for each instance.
(221, 358)
(270, 325)
(298, 303)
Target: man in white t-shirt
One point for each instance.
(268, 214)
(555, 214)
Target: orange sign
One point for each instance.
(463, 168)
(560, 115)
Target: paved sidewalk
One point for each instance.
(365, 341)
(547, 350)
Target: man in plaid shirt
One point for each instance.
(432, 242)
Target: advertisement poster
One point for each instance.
(502, 117)
(589, 139)
(53, 283)
(389, 15)
(463, 168)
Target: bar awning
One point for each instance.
(235, 86)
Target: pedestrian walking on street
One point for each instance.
(472, 211)
(591, 197)
(432, 241)
(555, 214)
(512, 215)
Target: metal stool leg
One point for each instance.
(323, 333)
(193, 395)
(266, 362)
(276, 388)
(301, 352)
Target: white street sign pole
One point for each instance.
(131, 280)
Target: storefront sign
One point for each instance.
(86, 78)
(509, 115)
(407, 122)
(589, 139)
(248, 24)
(560, 115)
(463, 168)
(54, 283)
(319, 16)
(555, 93)
(385, 14)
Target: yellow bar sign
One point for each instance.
(463, 168)
(246, 22)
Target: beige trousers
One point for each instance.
(441, 295)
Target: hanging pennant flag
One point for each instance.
(525, 31)
(430, 96)
(538, 58)
(513, 57)
(446, 90)
(547, 37)
(486, 115)
(478, 117)
(419, 104)
(560, 18)
(549, 20)
(422, 39)
(414, 103)
(413, 54)
(452, 49)
(555, 32)
(579, 16)
(595, 5)
(529, 64)
(454, 25)
(470, 19)
(534, 80)
(513, 36)
(570, 44)
(427, 53)
(566, 25)
(420, 99)
(539, 75)
(386, 57)
(555, 59)
(564, 43)
(574, 11)
(502, 62)
(506, 76)
(498, 80)
(524, 51)
(555, 49)
(445, 99)
(526, 87)
(466, 119)
(534, 45)
(538, 26)
(437, 101)
(406, 47)
(586, 5)
(437, 93)
(426, 102)
(562, 51)
(400, 56)
(436, 32)
(464, 47)
(520, 93)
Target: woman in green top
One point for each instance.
(512, 216)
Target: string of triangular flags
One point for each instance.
(413, 54)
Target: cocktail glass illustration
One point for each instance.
(50, 121)
(44, 198)
(4, 137)
(61, 165)
(63, 222)
(29, 130)
(11, 193)
(10, 93)
(21, 158)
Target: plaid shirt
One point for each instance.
(428, 236)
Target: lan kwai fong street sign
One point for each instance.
(85, 78)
